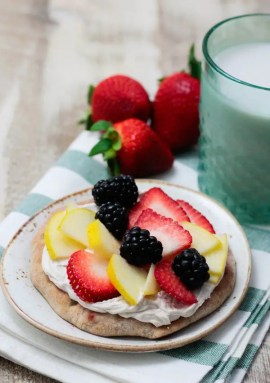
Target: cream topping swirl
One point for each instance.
(161, 309)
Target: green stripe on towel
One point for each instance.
(247, 357)
(261, 312)
(85, 166)
(252, 299)
(220, 371)
(228, 367)
(196, 352)
(32, 203)
(258, 238)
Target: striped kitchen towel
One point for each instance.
(224, 355)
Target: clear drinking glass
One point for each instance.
(234, 163)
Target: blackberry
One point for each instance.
(114, 217)
(140, 248)
(122, 189)
(191, 268)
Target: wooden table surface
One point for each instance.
(50, 50)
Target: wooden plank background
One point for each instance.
(50, 50)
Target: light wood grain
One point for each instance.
(51, 50)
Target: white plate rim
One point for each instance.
(157, 345)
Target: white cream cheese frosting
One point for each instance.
(161, 309)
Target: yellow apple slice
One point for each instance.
(214, 279)
(101, 241)
(59, 246)
(217, 258)
(128, 280)
(75, 222)
(151, 286)
(202, 240)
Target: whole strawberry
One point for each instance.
(117, 98)
(132, 147)
(176, 108)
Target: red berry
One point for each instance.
(196, 217)
(171, 284)
(161, 203)
(120, 97)
(176, 110)
(174, 238)
(142, 152)
(88, 277)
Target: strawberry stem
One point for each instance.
(90, 92)
(89, 122)
(87, 117)
(194, 64)
(86, 120)
(161, 79)
(114, 167)
(108, 145)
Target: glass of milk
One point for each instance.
(234, 163)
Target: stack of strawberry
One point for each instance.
(138, 136)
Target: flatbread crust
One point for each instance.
(109, 325)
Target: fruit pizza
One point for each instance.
(131, 264)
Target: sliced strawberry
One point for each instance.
(174, 238)
(195, 216)
(88, 277)
(171, 284)
(161, 203)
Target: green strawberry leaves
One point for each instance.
(101, 147)
(90, 92)
(101, 125)
(194, 64)
(108, 145)
(86, 120)
(87, 117)
(117, 144)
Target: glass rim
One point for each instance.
(215, 65)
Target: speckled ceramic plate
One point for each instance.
(31, 306)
